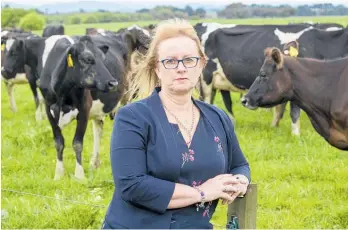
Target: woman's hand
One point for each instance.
(240, 188)
(219, 187)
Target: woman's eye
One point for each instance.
(170, 61)
(188, 60)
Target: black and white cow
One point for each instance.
(73, 68)
(81, 97)
(235, 54)
(53, 30)
(23, 75)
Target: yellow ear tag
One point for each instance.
(70, 61)
(293, 52)
(2, 47)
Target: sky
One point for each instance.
(225, 2)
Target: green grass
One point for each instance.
(302, 181)
(80, 29)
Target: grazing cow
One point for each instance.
(23, 75)
(234, 54)
(53, 30)
(319, 87)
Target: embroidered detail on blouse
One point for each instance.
(206, 210)
(218, 141)
(186, 157)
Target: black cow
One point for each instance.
(53, 30)
(23, 75)
(63, 107)
(319, 87)
(234, 54)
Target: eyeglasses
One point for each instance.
(188, 62)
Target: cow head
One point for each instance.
(137, 38)
(273, 85)
(14, 57)
(82, 65)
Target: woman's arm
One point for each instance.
(183, 196)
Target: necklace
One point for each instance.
(181, 124)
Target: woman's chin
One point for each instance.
(182, 88)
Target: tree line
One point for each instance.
(35, 20)
(239, 10)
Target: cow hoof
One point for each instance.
(14, 110)
(79, 172)
(274, 125)
(58, 177)
(296, 133)
(95, 164)
(59, 170)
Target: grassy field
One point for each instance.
(302, 181)
(81, 28)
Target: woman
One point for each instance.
(172, 157)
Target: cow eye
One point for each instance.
(89, 60)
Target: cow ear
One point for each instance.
(66, 60)
(277, 57)
(104, 48)
(130, 39)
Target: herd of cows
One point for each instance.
(84, 77)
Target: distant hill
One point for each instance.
(120, 6)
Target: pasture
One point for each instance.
(302, 181)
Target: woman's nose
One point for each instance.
(181, 67)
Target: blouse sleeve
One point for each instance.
(128, 162)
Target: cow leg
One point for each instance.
(97, 134)
(278, 113)
(59, 142)
(10, 92)
(33, 87)
(295, 112)
(207, 92)
(82, 121)
(226, 97)
(212, 96)
(39, 114)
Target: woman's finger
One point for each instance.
(229, 180)
(230, 188)
(233, 197)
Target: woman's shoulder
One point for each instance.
(136, 106)
(211, 107)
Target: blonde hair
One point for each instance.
(142, 79)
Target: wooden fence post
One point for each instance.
(244, 209)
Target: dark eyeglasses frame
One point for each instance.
(179, 60)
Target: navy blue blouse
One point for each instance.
(204, 159)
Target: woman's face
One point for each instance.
(178, 77)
